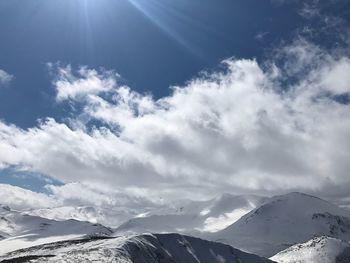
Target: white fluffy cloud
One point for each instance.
(19, 198)
(5, 78)
(85, 82)
(252, 128)
(336, 77)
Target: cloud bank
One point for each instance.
(278, 126)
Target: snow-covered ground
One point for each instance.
(79, 202)
(111, 217)
(317, 250)
(166, 248)
(20, 230)
(193, 217)
(258, 225)
(284, 221)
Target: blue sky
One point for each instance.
(85, 95)
(151, 44)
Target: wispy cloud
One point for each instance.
(5, 78)
(261, 35)
(83, 82)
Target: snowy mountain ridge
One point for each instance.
(319, 249)
(105, 216)
(194, 217)
(160, 248)
(285, 228)
(284, 221)
(20, 230)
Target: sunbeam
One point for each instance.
(159, 16)
(88, 38)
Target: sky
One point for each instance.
(160, 100)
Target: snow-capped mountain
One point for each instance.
(111, 216)
(258, 225)
(20, 230)
(284, 221)
(193, 217)
(164, 248)
(319, 249)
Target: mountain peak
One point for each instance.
(298, 195)
(285, 220)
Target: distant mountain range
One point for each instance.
(289, 228)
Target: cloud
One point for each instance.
(310, 9)
(336, 77)
(87, 81)
(261, 35)
(259, 128)
(75, 194)
(22, 199)
(5, 78)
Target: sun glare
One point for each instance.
(164, 17)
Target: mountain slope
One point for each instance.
(194, 217)
(160, 248)
(111, 217)
(319, 249)
(284, 221)
(20, 230)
